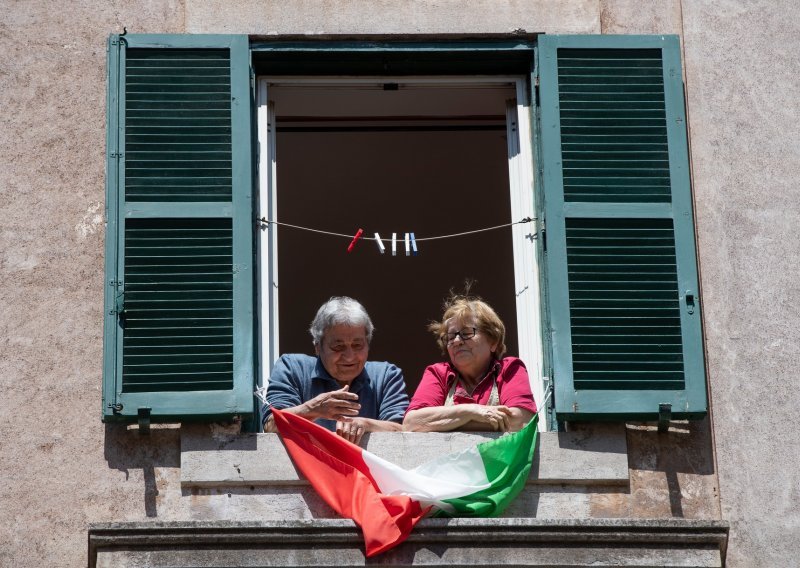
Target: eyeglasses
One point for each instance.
(465, 334)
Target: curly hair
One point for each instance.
(462, 306)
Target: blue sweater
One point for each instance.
(298, 378)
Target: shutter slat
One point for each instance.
(596, 77)
(634, 259)
(178, 125)
(169, 318)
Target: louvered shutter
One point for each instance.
(179, 292)
(620, 260)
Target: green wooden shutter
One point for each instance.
(621, 263)
(179, 292)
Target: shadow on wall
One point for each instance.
(125, 449)
(686, 448)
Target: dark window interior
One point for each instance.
(392, 158)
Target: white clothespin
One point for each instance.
(413, 244)
(261, 394)
(408, 247)
(394, 244)
(380, 243)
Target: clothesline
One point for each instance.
(268, 222)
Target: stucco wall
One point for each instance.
(61, 468)
(743, 76)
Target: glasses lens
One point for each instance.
(467, 333)
(464, 334)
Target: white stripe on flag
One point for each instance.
(454, 475)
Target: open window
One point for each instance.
(431, 155)
(436, 138)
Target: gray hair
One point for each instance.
(340, 310)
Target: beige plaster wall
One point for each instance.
(60, 468)
(325, 17)
(743, 77)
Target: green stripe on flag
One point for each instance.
(507, 461)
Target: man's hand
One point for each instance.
(339, 405)
(352, 429)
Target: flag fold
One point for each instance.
(386, 501)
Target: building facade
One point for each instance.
(700, 488)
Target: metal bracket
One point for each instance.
(689, 301)
(664, 416)
(115, 408)
(144, 420)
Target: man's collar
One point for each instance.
(321, 373)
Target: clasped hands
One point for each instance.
(497, 417)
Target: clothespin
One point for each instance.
(380, 243)
(408, 246)
(413, 244)
(394, 244)
(355, 240)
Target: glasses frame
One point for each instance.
(447, 340)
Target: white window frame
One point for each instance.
(521, 167)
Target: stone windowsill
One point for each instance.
(434, 542)
(594, 455)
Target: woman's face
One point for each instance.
(471, 357)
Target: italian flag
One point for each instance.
(386, 501)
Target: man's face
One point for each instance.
(343, 352)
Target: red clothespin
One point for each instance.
(355, 240)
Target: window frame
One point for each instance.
(398, 58)
(521, 163)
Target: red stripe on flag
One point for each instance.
(336, 469)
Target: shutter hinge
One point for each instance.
(115, 408)
(664, 416)
(117, 155)
(143, 414)
(114, 42)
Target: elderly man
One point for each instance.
(339, 388)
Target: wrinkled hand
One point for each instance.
(351, 429)
(334, 405)
(498, 417)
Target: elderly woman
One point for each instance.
(339, 388)
(477, 388)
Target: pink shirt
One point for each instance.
(513, 386)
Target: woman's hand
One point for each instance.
(498, 417)
(336, 405)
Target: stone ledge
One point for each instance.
(434, 542)
(595, 455)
